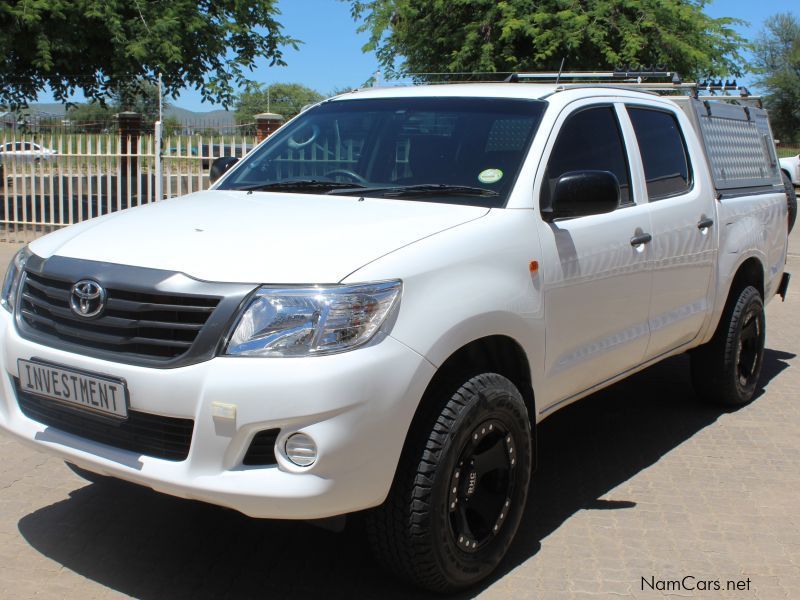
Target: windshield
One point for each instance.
(457, 150)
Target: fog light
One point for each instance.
(301, 449)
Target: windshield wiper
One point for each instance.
(422, 189)
(299, 184)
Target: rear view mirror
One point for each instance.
(220, 166)
(582, 193)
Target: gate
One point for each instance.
(50, 181)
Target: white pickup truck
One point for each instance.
(375, 308)
(790, 166)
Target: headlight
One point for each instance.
(312, 320)
(11, 281)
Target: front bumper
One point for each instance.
(357, 406)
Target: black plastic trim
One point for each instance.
(642, 238)
(750, 191)
(705, 223)
(261, 451)
(147, 434)
(143, 280)
(783, 287)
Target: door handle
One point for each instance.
(705, 223)
(642, 238)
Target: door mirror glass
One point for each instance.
(582, 193)
(220, 166)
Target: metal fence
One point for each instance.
(52, 181)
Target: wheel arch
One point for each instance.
(750, 271)
(499, 354)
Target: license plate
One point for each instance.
(88, 391)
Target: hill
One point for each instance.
(198, 119)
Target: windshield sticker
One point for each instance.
(490, 176)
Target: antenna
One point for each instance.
(560, 69)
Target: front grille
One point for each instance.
(262, 449)
(144, 433)
(155, 326)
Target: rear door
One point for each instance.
(596, 281)
(684, 232)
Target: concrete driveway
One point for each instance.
(642, 492)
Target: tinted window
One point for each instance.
(589, 140)
(400, 142)
(666, 166)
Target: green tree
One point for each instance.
(90, 117)
(171, 126)
(446, 36)
(97, 45)
(338, 91)
(140, 97)
(286, 99)
(777, 61)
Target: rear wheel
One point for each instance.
(460, 489)
(727, 369)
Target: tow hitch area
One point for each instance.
(783, 286)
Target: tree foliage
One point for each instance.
(446, 36)
(286, 99)
(97, 45)
(90, 117)
(777, 61)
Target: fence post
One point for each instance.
(157, 160)
(130, 124)
(266, 123)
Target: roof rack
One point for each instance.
(639, 80)
(632, 76)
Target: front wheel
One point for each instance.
(460, 488)
(727, 369)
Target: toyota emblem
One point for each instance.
(88, 298)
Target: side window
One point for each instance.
(666, 166)
(589, 140)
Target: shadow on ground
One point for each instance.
(149, 545)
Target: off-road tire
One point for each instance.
(791, 199)
(726, 370)
(414, 532)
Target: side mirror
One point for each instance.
(220, 166)
(582, 193)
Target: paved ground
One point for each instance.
(638, 486)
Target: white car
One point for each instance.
(375, 308)
(25, 152)
(791, 166)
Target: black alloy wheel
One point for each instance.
(482, 485)
(751, 348)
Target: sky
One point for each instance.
(331, 57)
